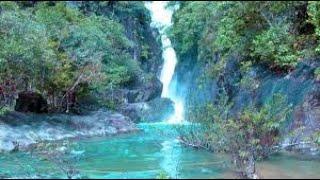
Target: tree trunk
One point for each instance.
(246, 166)
(68, 107)
(250, 169)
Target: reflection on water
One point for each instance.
(171, 158)
(143, 155)
(284, 166)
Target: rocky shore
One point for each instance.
(20, 130)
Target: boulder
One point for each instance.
(135, 111)
(152, 111)
(141, 92)
(31, 102)
(150, 90)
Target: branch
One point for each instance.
(73, 86)
(192, 144)
(266, 18)
(293, 144)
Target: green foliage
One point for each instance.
(317, 73)
(243, 34)
(249, 134)
(314, 16)
(52, 48)
(4, 110)
(145, 51)
(261, 32)
(316, 138)
(275, 45)
(163, 175)
(117, 75)
(189, 22)
(7, 5)
(24, 46)
(134, 8)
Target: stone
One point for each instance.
(150, 90)
(135, 111)
(152, 111)
(305, 123)
(19, 131)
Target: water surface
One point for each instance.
(145, 154)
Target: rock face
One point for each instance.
(19, 130)
(146, 49)
(149, 91)
(136, 19)
(300, 87)
(31, 102)
(306, 121)
(153, 111)
(302, 93)
(135, 111)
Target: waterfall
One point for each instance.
(161, 19)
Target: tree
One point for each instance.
(262, 32)
(314, 15)
(56, 49)
(25, 53)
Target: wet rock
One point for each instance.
(306, 122)
(138, 93)
(160, 109)
(297, 86)
(151, 111)
(146, 52)
(151, 90)
(62, 149)
(6, 146)
(141, 92)
(135, 110)
(31, 102)
(19, 130)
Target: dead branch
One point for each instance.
(198, 145)
(292, 144)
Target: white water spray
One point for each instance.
(161, 19)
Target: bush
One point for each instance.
(317, 73)
(247, 136)
(5, 109)
(260, 32)
(163, 175)
(275, 46)
(54, 48)
(314, 16)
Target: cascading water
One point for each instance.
(161, 19)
